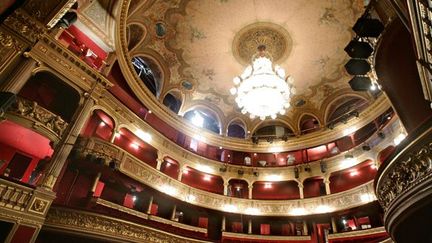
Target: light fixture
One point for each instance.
(354, 173)
(229, 208)
(267, 185)
(273, 178)
(367, 197)
(252, 211)
(263, 90)
(145, 136)
(397, 140)
(197, 119)
(205, 168)
(207, 178)
(169, 190)
(102, 124)
(298, 211)
(134, 198)
(348, 161)
(134, 145)
(323, 209)
(190, 198)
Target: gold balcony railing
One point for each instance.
(266, 238)
(104, 227)
(144, 173)
(142, 215)
(23, 202)
(31, 115)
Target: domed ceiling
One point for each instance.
(201, 45)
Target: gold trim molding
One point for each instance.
(101, 226)
(357, 233)
(266, 237)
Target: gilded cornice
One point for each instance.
(266, 237)
(357, 233)
(56, 56)
(96, 225)
(144, 173)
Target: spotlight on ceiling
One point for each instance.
(357, 66)
(358, 49)
(367, 27)
(360, 83)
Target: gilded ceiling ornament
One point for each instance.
(277, 40)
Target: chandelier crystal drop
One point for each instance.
(263, 90)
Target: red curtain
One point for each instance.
(128, 201)
(99, 188)
(203, 222)
(265, 229)
(237, 227)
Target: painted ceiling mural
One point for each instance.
(203, 44)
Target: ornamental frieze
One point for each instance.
(406, 171)
(95, 224)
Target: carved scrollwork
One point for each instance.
(404, 174)
(90, 223)
(32, 111)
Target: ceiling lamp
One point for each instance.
(263, 89)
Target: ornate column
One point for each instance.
(150, 205)
(180, 175)
(173, 213)
(300, 186)
(19, 76)
(250, 187)
(327, 185)
(223, 228)
(95, 182)
(250, 226)
(225, 185)
(305, 228)
(159, 163)
(66, 144)
(333, 224)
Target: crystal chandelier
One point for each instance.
(263, 90)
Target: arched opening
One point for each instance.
(313, 187)
(53, 94)
(173, 101)
(99, 125)
(309, 124)
(238, 188)
(202, 180)
(352, 177)
(149, 72)
(236, 129)
(272, 132)
(275, 190)
(343, 109)
(170, 167)
(128, 141)
(135, 33)
(204, 118)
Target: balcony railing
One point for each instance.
(144, 173)
(31, 115)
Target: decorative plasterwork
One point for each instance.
(144, 173)
(105, 227)
(408, 172)
(277, 40)
(30, 114)
(197, 48)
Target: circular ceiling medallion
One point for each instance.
(277, 40)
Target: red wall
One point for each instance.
(195, 179)
(278, 191)
(343, 180)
